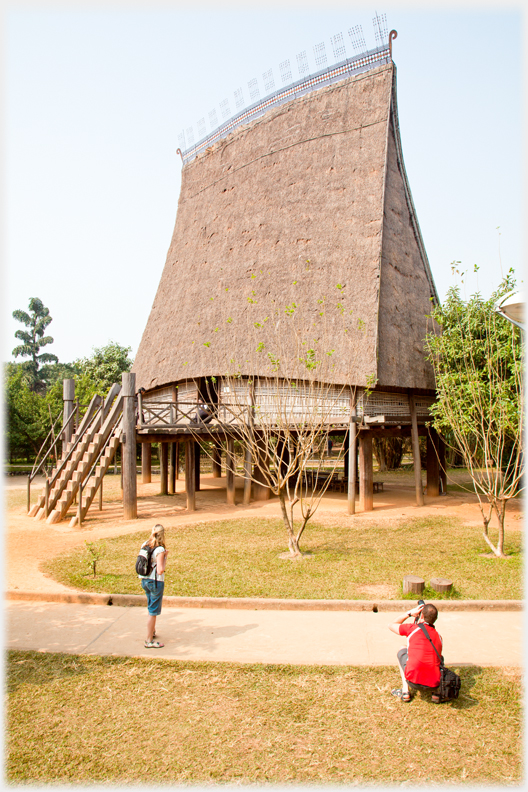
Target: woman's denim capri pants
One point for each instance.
(154, 591)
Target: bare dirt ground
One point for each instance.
(29, 542)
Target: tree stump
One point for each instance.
(413, 584)
(442, 585)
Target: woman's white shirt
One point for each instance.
(155, 554)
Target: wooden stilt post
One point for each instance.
(101, 495)
(352, 457)
(189, 475)
(442, 463)
(366, 480)
(146, 463)
(68, 395)
(261, 491)
(217, 460)
(173, 462)
(433, 470)
(177, 462)
(164, 468)
(128, 447)
(172, 465)
(196, 466)
(416, 453)
(230, 472)
(248, 463)
(248, 456)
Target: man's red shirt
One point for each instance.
(423, 664)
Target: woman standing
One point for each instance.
(154, 583)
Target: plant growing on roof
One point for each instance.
(478, 360)
(284, 416)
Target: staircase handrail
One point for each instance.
(92, 469)
(89, 414)
(112, 393)
(74, 446)
(106, 429)
(35, 471)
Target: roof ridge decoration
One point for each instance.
(366, 61)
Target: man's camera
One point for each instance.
(420, 602)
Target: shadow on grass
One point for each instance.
(43, 668)
(469, 678)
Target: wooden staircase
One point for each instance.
(94, 482)
(99, 428)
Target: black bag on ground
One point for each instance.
(144, 561)
(449, 686)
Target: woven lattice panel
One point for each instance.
(161, 395)
(395, 405)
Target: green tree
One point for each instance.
(33, 340)
(98, 372)
(478, 362)
(27, 414)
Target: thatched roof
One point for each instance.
(311, 195)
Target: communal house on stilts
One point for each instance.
(305, 187)
(316, 175)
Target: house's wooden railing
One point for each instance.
(184, 414)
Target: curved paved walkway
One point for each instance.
(483, 638)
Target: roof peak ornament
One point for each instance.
(392, 35)
(260, 101)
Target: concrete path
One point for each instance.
(261, 636)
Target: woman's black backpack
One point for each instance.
(144, 561)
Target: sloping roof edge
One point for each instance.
(383, 194)
(408, 195)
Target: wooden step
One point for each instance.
(54, 517)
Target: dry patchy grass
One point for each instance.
(240, 558)
(79, 719)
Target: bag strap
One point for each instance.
(422, 628)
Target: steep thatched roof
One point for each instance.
(310, 196)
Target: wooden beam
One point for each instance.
(416, 453)
(68, 395)
(177, 462)
(366, 477)
(128, 447)
(189, 475)
(352, 457)
(230, 472)
(146, 463)
(433, 469)
(164, 468)
(174, 409)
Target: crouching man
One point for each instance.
(418, 662)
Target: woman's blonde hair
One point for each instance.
(157, 537)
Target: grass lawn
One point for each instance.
(239, 558)
(81, 719)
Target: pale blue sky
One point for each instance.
(95, 97)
